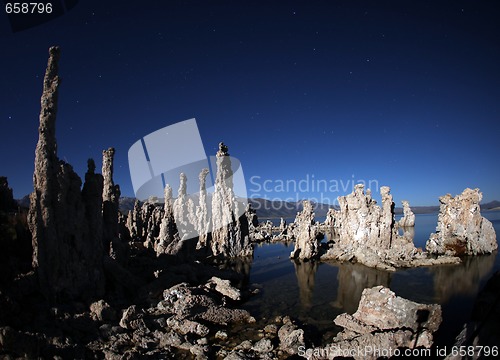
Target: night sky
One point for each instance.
(406, 93)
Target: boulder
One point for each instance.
(291, 337)
(100, 310)
(382, 325)
(224, 287)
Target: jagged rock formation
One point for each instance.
(144, 221)
(306, 234)
(461, 230)
(230, 237)
(202, 213)
(194, 304)
(408, 219)
(365, 229)
(282, 224)
(181, 211)
(253, 220)
(368, 234)
(224, 287)
(385, 322)
(110, 202)
(169, 230)
(332, 218)
(68, 260)
(363, 222)
(134, 222)
(220, 228)
(291, 337)
(92, 194)
(115, 234)
(168, 240)
(15, 239)
(151, 219)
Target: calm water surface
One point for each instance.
(316, 293)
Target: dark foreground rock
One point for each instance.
(383, 323)
(482, 330)
(67, 254)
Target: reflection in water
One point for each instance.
(316, 293)
(240, 265)
(461, 279)
(449, 280)
(353, 279)
(306, 272)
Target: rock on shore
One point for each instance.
(306, 234)
(461, 230)
(383, 323)
(368, 234)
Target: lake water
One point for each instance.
(316, 293)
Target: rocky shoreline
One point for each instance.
(167, 280)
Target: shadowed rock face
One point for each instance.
(180, 204)
(230, 237)
(66, 254)
(92, 197)
(110, 196)
(7, 202)
(461, 230)
(482, 328)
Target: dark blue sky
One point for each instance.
(405, 93)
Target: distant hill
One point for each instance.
(495, 204)
(24, 202)
(267, 209)
(418, 209)
(126, 204)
